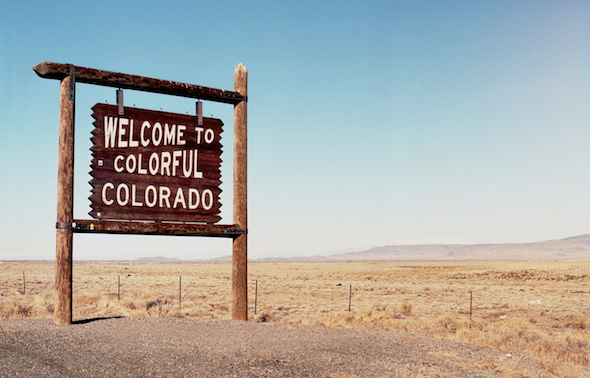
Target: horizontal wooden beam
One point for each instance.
(48, 70)
(157, 228)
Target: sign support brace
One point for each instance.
(65, 203)
(240, 244)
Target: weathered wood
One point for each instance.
(65, 207)
(48, 70)
(66, 226)
(240, 208)
(197, 149)
(157, 228)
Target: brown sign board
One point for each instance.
(153, 165)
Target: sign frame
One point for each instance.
(66, 226)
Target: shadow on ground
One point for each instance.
(85, 321)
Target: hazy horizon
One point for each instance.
(432, 255)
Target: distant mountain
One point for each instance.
(403, 252)
(158, 260)
(572, 248)
(222, 259)
(315, 258)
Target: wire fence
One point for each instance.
(207, 291)
(274, 294)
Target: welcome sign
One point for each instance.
(153, 165)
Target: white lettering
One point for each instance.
(199, 131)
(179, 199)
(209, 136)
(131, 159)
(132, 143)
(154, 164)
(166, 157)
(122, 201)
(193, 198)
(197, 173)
(106, 186)
(187, 171)
(144, 125)
(151, 189)
(140, 170)
(164, 196)
(117, 168)
(207, 193)
(158, 128)
(180, 134)
(179, 163)
(110, 131)
(119, 132)
(133, 193)
(122, 122)
(169, 134)
(175, 161)
(184, 198)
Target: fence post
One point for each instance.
(180, 292)
(470, 303)
(255, 297)
(24, 285)
(350, 298)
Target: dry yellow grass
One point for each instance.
(538, 309)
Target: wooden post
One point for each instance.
(350, 298)
(65, 206)
(470, 303)
(240, 243)
(255, 297)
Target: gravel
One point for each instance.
(177, 347)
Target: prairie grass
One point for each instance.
(534, 309)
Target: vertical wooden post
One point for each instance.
(470, 303)
(255, 297)
(350, 298)
(240, 244)
(65, 206)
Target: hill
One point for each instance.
(158, 260)
(572, 248)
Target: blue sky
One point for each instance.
(370, 123)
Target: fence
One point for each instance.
(137, 290)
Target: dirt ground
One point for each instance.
(181, 347)
(542, 305)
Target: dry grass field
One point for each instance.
(537, 309)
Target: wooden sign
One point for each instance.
(153, 165)
(150, 165)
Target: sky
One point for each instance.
(369, 123)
